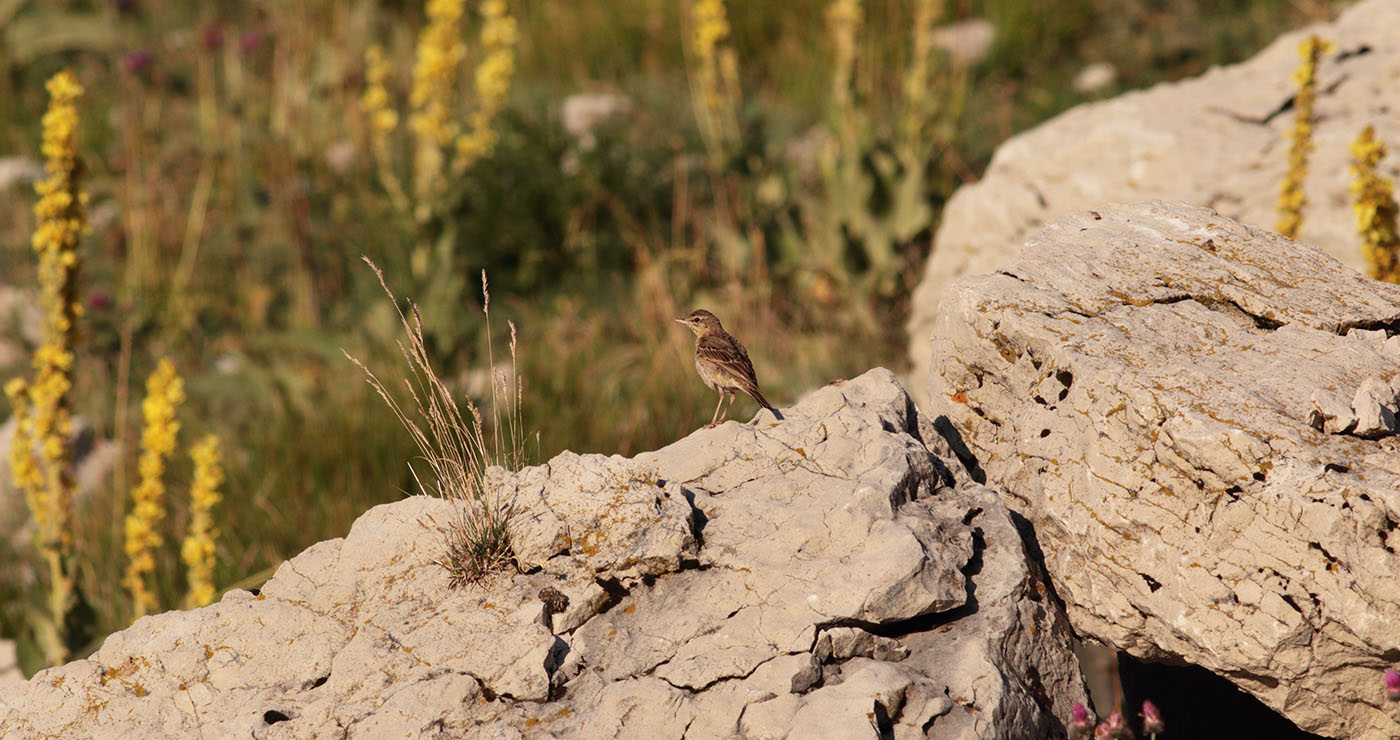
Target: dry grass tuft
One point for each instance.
(457, 449)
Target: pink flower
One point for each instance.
(1114, 727)
(1081, 722)
(136, 61)
(1152, 723)
(249, 41)
(1392, 684)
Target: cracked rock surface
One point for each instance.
(1216, 140)
(1143, 387)
(821, 577)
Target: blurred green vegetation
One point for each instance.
(233, 192)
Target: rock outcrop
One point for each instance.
(822, 577)
(1197, 418)
(1217, 140)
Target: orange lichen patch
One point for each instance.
(531, 722)
(630, 608)
(958, 397)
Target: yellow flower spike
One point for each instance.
(1375, 208)
(492, 81)
(714, 85)
(197, 551)
(375, 101)
(439, 53)
(164, 393)
(39, 455)
(1291, 199)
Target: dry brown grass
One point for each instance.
(458, 450)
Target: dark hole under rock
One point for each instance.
(1198, 704)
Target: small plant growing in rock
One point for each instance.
(458, 450)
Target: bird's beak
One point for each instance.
(679, 321)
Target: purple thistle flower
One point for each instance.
(1392, 684)
(249, 41)
(137, 61)
(1152, 723)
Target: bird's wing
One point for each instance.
(725, 352)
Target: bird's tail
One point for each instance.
(758, 396)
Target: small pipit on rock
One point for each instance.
(722, 362)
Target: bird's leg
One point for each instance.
(732, 394)
(713, 419)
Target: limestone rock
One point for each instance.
(818, 577)
(1217, 140)
(1144, 385)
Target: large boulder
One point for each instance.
(1217, 140)
(822, 577)
(1198, 419)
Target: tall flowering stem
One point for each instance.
(715, 78)
(843, 21)
(918, 76)
(164, 393)
(40, 458)
(1291, 199)
(198, 548)
(383, 119)
(1375, 208)
(439, 54)
(492, 82)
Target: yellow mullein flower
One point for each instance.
(1375, 208)
(492, 80)
(438, 55)
(440, 52)
(375, 101)
(716, 83)
(1291, 199)
(61, 218)
(197, 551)
(24, 466)
(164, 393)
(39, 455)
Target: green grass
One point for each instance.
(245, 173)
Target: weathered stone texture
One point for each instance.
(1143, 385)
(822, 577)
(1217, 140)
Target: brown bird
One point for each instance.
(722, 362)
